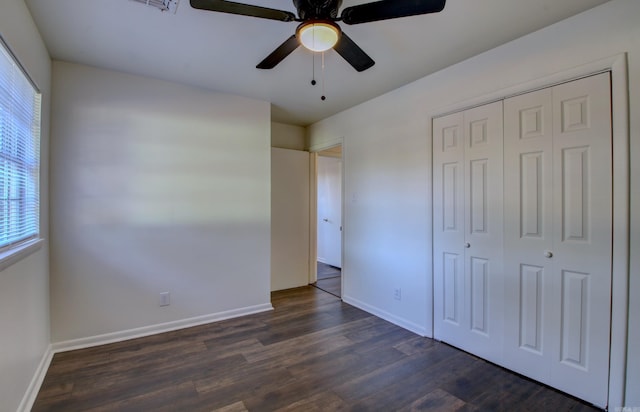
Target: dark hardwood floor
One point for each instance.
(312, 353)
(329, 279)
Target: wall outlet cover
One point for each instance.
(165, 299)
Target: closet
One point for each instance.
(545, 296)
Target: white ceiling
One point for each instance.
(219, 51)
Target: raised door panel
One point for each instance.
(576, 165)
(575, 308)
(528, 231)
(450, 192)
(478, 196)
(531, 211)
(530, 309)
(452, 276)
(479, 299)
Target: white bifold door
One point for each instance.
(558, 236)
(529, 288)
(467, 184)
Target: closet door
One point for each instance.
(528, 232)
(558, 229)
(468, 231)
(484, 283)
(449, 228)
(582, 224)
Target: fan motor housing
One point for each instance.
(317, 9)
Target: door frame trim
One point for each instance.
(617, 66)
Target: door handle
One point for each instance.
(326, 220)
(467, 245)
(548, 254)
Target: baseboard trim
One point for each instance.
(396, 320)
(120, 336)
(31, 394)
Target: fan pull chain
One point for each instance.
(313, 73)
(323, 97)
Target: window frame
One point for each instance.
(11, 253)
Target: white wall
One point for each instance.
(289, 218)
(287, 136)
(24, 287)
(156, 187)
(388, 151)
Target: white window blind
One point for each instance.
(19, 154)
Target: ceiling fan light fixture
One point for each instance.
(318, 36)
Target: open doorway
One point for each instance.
(329, 220)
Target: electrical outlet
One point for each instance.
(397, 294)
(165, 299)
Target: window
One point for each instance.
(19, 156)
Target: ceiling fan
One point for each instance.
(318, 30)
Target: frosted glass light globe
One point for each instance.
(318, 36)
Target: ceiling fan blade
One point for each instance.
(390, 9)
(279, 54)
(242, 9)
(353, 54)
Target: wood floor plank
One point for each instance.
(291, 352)
(311, 353)
(242, 375)
(320, 402)
(380, 382)
(419, 381)
(415, 345)
(217, 391)
(235, 407)
(319, 374)
(55, 392)
(313, 344)
(436, 401)
(165, 399)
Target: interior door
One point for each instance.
(558, 236)
(330, 211)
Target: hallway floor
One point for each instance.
(329, 279)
